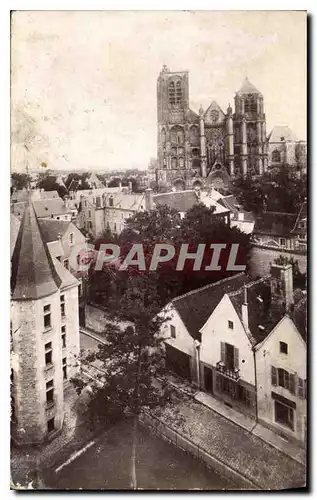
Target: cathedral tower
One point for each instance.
(249, 131)
(179, 135)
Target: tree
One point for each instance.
(48, 182)
(276, 191)
(20, 181)
(130, 362)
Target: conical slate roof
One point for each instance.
(33, 274)
(248, 88)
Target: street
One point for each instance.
(160, 465)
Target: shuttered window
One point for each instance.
(236, 358)
(223, 352)
(301, 388)
(292, 383)
(273, 375)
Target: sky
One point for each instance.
(83, 83)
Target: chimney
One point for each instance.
(282, 283)
(244, 311)
(148, 199)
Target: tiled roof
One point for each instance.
(126, 201)
(275, 223)
(46, 208)
(196, 306)
(179, 200)
(248, 88)
(263, 312)
(259, 305)
(299, 316)
(282, 131)
(66, 277)
(33, 274)
(302, 217)
(232, 204)
(51, 228)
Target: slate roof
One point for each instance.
(52, 228)
(33, 274)
(179, 200)
(47, 208)
(282, 131)
(125, 201)
(23, 195)
(299, 316)
(232, 204)
(264, 313)
(275, 223)
(248, 88)
(196, 306)
(302, 216)
(66, 277)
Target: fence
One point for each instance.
(188, 446)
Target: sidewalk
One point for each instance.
(289, 448)
(231, 444)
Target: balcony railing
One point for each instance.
(233, 374)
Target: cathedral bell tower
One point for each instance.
(250, 130)
(178, 131)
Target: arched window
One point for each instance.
(179, 93)
(194, 135)
(195, 153)
(174, 163)
(110, 201)
(276, 156)
(163, 136)
(181, 162)
(177, 135)
(174, 151)
(171, 93)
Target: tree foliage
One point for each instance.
(278, 191)
(20, 181)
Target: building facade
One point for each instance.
(212, 146)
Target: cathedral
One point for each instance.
(209, 148)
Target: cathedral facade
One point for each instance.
(208, 148)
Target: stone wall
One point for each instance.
(262, 256)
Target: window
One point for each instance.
(282, 378)
(173, 332)
(230, 325)
(301, 388)
(282, 242)
(110, 201)
(71, 238)
(48, 353)
(66, 264)
(284, 415)
(283, 348)
(229, 356)
(115, 226)
(89, 214)
(62, 304)
(171, 93)
(50, 391)
(47, 316)
(276, 156)
(57, 218)
(63, 336)
(51, 425)
(64, 369)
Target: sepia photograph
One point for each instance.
(158, 241)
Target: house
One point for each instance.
(239, 217)
(50, 208)
(94, 182)
(44, 335)
(187, 315)
(110, 210)
(36, 194)
(282, 230)
(285, 148)
(226, 338)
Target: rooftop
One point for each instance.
(195, 307)
(282, 133)
(248, 88)
(33, 274)
(181, 201)
(275, 223)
